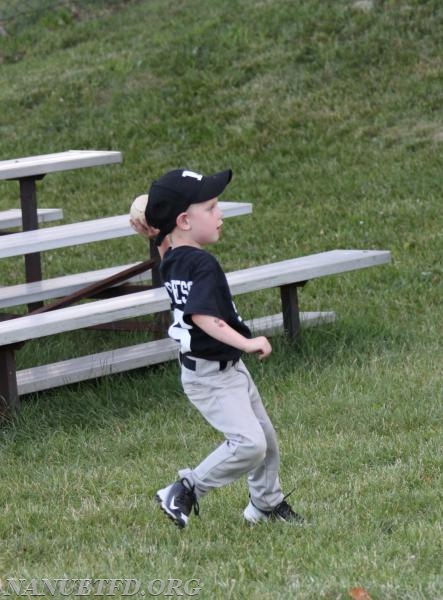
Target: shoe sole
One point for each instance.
(252, 518)
(180, 523)
(273, 519)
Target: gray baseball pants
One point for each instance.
(229, 400)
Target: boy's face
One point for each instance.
(205, 220)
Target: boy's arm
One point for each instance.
(221, 331)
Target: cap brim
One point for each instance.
(213, 185)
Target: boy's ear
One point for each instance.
(182, 221)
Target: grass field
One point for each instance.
(331, 116)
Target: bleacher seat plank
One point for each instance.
(13, 217)
(31, 166)
(304, 268)
(84, 232)
(74, 370)
(288, 272)
(56, 287)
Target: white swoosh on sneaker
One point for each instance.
(172, 505)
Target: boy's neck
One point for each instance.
(185, 244)
(178, 240)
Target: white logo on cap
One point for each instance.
(192, 174)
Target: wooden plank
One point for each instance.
(29, 166)
(62, 236)
(304, 268)
(84, 232)
(157, 300)
(56, 287)
(134, 357)
(13, 217)
(84, 315)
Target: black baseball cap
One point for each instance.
(175, 191)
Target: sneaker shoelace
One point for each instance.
(285, 511)
(188, 496)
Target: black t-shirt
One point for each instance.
(197, 285)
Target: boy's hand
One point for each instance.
(143, 229)
(260, 345)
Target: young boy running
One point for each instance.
(183, 213)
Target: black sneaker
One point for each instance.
(281, 512)
(284, 512)
(177, 501)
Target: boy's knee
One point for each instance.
(254, 450)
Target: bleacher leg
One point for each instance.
(9, 398)
(290, 310)
(28, 199)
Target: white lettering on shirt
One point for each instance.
(180, 331)
(178, 290)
